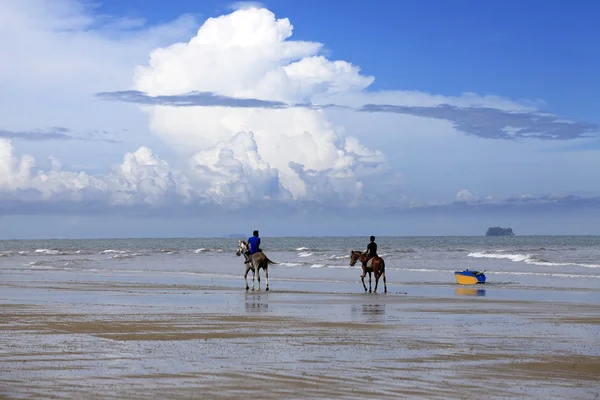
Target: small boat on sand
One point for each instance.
(467, 277)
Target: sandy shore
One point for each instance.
(118, 340)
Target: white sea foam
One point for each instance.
(49, 252)
(512, 257)
(35, 263)
(318, 266)
(39, 265)
(553, 274)
(302, 248)
(290, 264)
(418, 269)
(305, 254)
(199, 250)
(109, 251)
(529, 259)
(127, 255)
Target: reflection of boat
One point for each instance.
(461, 291)
(467, 277)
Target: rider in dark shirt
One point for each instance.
(371, 250)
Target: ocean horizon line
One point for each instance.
(290, 237)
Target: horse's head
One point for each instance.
(242, 247)
(354, 256)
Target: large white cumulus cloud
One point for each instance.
(248, 54)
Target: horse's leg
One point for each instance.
(258, 276)
(384, 282)
(267, 277)
(376, 273)
(362, 277)
(246, 276)
(369, 282)
(253, 274)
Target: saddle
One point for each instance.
(369, 261)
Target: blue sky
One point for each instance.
(533, 49)
(444, 117)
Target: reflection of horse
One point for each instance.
(257, 261)
(253, 303)
(371, 313)
(375, 265)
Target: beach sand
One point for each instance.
(80, 340)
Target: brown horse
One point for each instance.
(375, 265)
(257, 261)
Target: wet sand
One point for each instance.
(145, 340)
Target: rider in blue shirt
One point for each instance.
(254, 243)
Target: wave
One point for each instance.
(50, 252)
(42, 267)
(403, 251)
(169, 251)
(302, 248)
(529, 259)
(332, 266)
(553, 274)
(36, 263)
(110, 251)
(124, 256)
(204, 250)
(449, 250)
(305, 254)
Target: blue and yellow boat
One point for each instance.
(467, 277)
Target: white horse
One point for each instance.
(257, 261)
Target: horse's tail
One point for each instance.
(269, 261)
(382, 267)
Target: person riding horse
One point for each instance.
(254, 243)
(371, 263)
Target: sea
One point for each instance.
(547, 263)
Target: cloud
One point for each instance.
(64, 44)
(56, 133)
(465, 196)
(141, 178)
(199, 99)
(246, 54)
(203, 99)
(242, 5)
(493, 123)
(234, 171)
(243, 117)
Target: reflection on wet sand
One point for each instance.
(374, 312)
(254, 303)
(469, 292)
